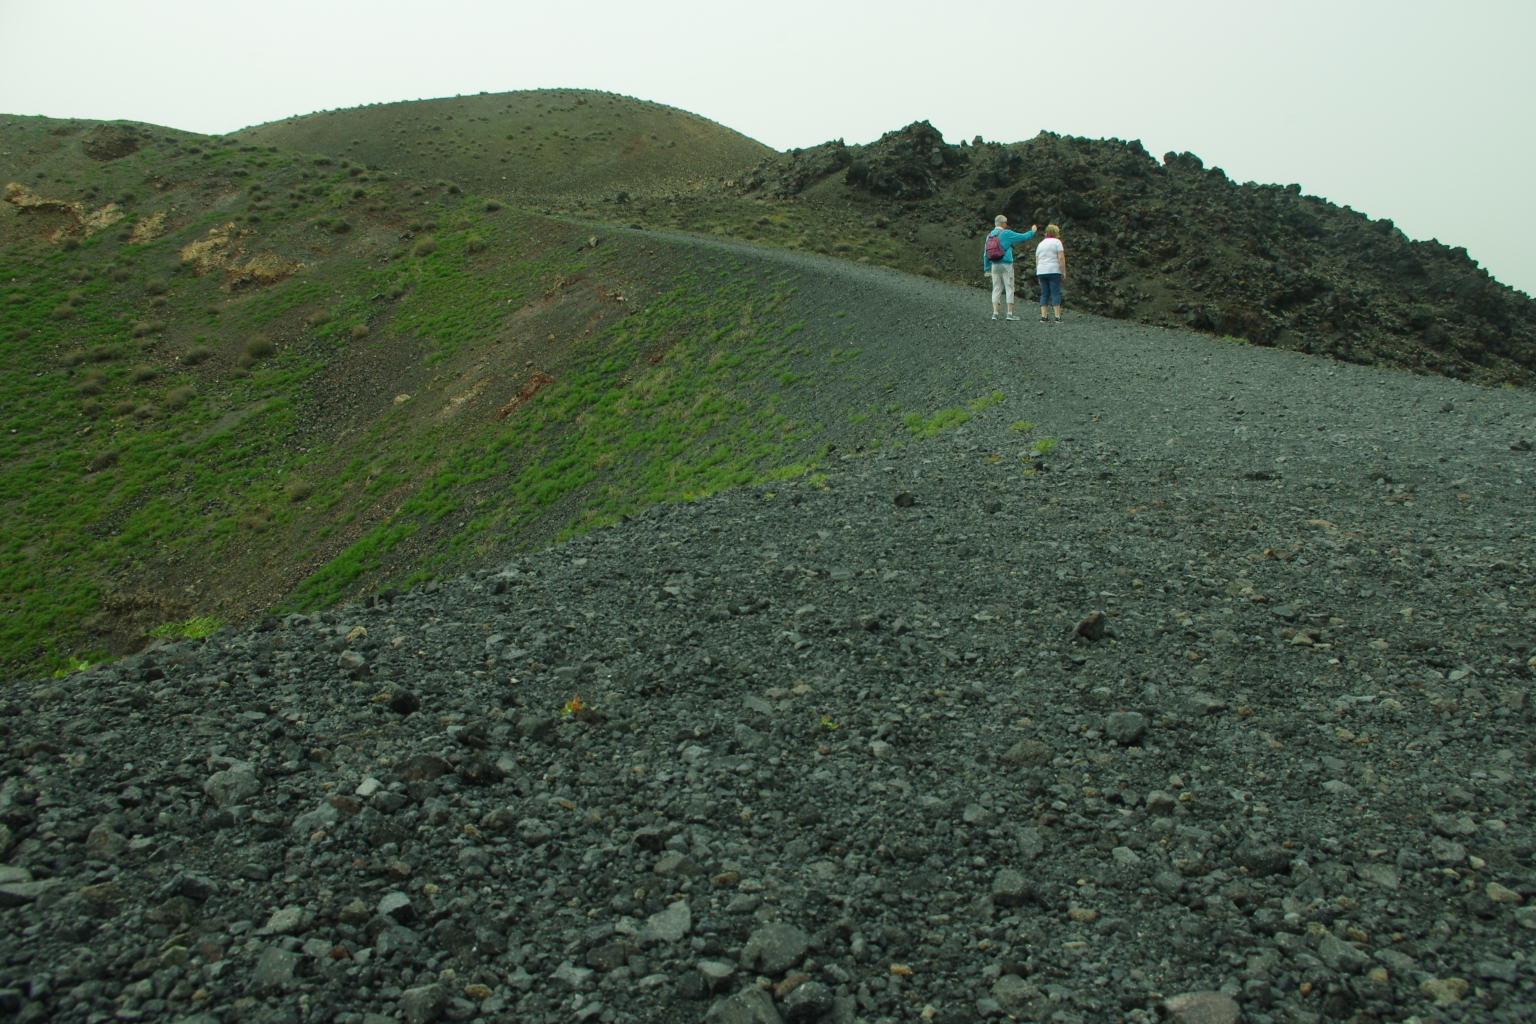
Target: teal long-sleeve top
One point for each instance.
(1009, 239)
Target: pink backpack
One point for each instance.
(994, 248)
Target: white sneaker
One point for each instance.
(1012, 317)
(994, 316)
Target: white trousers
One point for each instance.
(1002, 282)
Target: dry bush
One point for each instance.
(156, 285)
(196, 355)
(76, 297)
(124, 408)
(492, 206)
(106, 353)
(341, 227)
(425, 247)
(74, 357)
(318, 318)
(63, 312)
(101, 460)
(71, 244)
(121, 274)
(93, 383)
(413, 226)
(359, 332)
(254, 523)
(464, 224)
(246, 361)
(178, 398)
(158, 301)
(259, 346)
(141, 374)
(298, 490)
(474, 243)
(90, 407)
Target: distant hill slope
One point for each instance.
(237, 377)
(532, 146)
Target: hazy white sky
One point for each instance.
(1424, 112)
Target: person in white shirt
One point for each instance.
(1050, 270)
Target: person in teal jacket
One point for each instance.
(1002, 270)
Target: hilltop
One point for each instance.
(536, 147)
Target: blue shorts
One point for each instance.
(1050, 289)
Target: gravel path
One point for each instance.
(1221, 712)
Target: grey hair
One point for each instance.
(999, 221)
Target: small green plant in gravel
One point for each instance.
(1021, 426)
(193, 629)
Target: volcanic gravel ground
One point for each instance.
(1170, 726)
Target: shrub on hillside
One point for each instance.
(259, 346)
(359, 332)
(74, 357)
(90, 407)
(318, 318)
(474, 243)
(197, 354)
(93, 383)
(298, 490)
(178, 398)
(156, 285)
(492, 206)
(141, 374)
(124, 408)
(425, 247)
(102, 460)
(63, 311)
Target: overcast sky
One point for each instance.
(1424, 112)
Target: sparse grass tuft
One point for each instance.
(141, 374)
(178, 398)
(259, 346)
(297, 490)
(359, 332)
(319, 318)
(425, 247)
(197, 354)
(156, 285)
